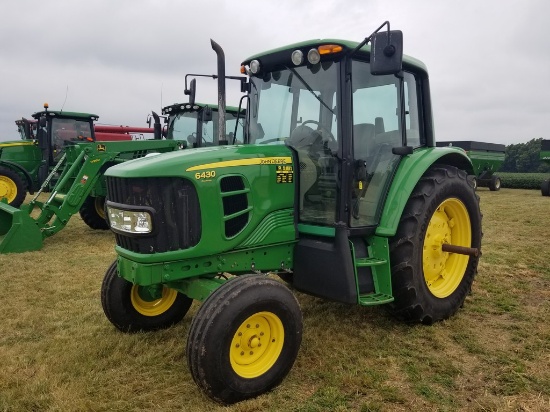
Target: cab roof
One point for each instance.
(65, 115)
(281, 55)
(182, 107)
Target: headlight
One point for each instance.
(130, 221)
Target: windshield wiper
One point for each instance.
(307, 86)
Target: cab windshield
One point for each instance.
(297, 106)
(183, 126)
(68, 130)
(285, 100)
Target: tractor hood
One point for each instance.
(193, 162)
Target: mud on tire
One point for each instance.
(428, 284)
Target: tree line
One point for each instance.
(524, 158)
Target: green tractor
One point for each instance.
(339, 189)
(486, 158)
(25, 163)
(545, 156)
(186, 121)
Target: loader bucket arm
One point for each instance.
(20, 232)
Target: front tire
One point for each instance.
(130, 309)
(244, 339)
(428, 284)
(92, 213)
(12, 187)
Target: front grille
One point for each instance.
(177, 217)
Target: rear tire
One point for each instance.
(12, 187)
(244, 338)
(92, 213)
(494, 184)
(428, 284)
(130, 310)
(545, 188)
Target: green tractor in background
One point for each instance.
(69, 163)
(339, 189)
(545, 156)
(25, 163)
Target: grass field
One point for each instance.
(58, 352)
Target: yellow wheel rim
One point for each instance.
(257, 344)
(8, 189)
(443, 271)
(152, 307)
(99, 202)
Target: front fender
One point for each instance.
(19, 169)
(409, 172)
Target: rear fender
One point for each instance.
(410, 171)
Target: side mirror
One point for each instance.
(157, 127)
(386, 52)
(191, 92)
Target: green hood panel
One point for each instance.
(188, 162)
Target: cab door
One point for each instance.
(385, 111)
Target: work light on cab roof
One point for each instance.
(186, 106)
(297, 57)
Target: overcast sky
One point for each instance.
(488, 60)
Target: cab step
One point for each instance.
(369, 261)
(372, 299)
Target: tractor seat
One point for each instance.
(363, 140)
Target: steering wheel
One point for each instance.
(325, 133)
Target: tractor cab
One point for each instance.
(347, 125)
(186, 121)
(57, 129)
